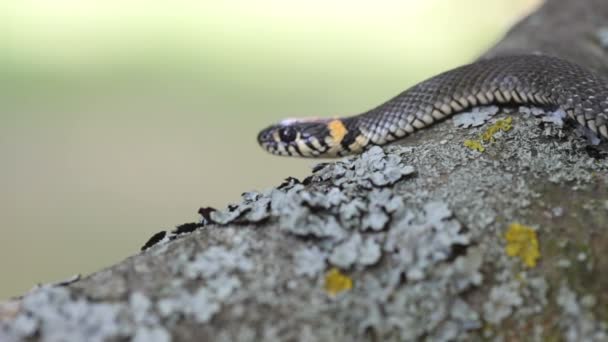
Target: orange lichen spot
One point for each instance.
(337, 130)
(523, 243)
(474, 145)
(336, 282)
(500, 125)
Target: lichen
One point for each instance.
(475, 117)
(474, 145)
(355, 250)
(374, 168)
(523, 243)
(502, 125)
(309, 261)
(501, 302)
(218, 267)
(216, 260)
(421, 243)
(336, 282)
(50, 311)
(578, 322)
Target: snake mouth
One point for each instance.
(265, 137)
(299, 138)
(269, 139)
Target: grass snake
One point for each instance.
(544, 81)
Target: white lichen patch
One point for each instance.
(357, 250)
(420, 242)
(147, 322)
(309, 261)
(374, 168)
(556, 118)
(51, 312)
(465, 271)
(217, 260)
(475, 117)
(502, 301)
(200, 305)
(218, 268)
(578, 322)
(214, 272)
(327, 214)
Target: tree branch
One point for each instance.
(429, 238)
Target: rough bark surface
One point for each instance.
(489, 225)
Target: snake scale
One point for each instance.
(544, 81)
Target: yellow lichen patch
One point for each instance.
(336, 282)
(522, 243)
(337, 130)
(488, 135)
(500, 125)
(474, 145)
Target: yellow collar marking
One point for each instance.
(337, 130)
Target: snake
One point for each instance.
(543, 81)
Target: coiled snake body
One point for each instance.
(528, 79)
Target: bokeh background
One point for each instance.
(119, 119)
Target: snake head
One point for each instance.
(298, 137)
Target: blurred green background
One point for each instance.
(119, 119)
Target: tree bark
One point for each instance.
(442, 236)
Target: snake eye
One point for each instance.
(288, 134)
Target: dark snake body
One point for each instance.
(543, 81)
